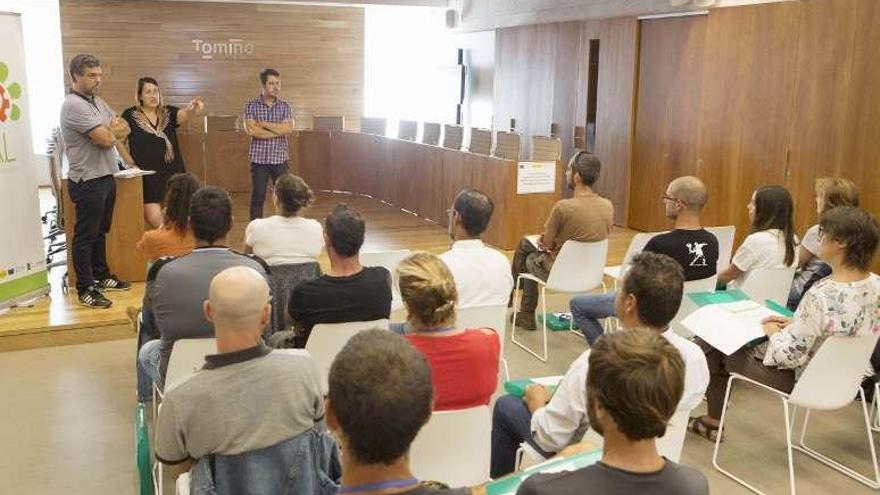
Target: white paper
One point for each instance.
(548, 381)
(728, 327)
(131, 173)
(534, 239)
(536, 177)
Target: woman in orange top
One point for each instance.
(174, 237)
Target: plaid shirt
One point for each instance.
(273, 150)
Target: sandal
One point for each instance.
(703, 429)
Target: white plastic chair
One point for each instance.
(327, 339)
(687, 306)
(454, 447)
(829, 382)
(636, 246)
(725, 237)
(494, 317)
(579, 268)
(388, 260)
(768, 283)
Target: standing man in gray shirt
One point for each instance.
(91, 131)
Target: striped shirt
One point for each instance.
(270, 151)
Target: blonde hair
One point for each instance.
(428, 289)
(836, 191)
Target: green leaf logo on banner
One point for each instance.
(8, 109)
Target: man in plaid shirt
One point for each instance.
(268, 120)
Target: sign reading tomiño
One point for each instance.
(233, 48)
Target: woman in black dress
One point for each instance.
(153, 142)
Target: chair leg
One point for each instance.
(516, 304)
(718, 441)
(875, 408)
(788, 425)
(872, 483)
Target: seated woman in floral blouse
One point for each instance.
(845, 304)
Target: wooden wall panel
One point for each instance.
(667, 118)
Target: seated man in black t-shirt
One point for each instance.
(635, 382)
(350, 291)
(695, 249)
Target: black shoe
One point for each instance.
(113, 284)
(92, 298)
(526, 321)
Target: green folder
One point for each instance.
(510, 483)
(517, 387)
(733, 295)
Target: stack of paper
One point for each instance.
(130, 173)
(728, 327)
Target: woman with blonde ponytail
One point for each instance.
(464, 362)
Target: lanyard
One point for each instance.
(381, 485)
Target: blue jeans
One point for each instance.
(148, 368)
(511, 425)
(587, 310)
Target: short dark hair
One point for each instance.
(587, 166)
(210, 214)
(475, 209)
(381, 393)
(79, 64)
(265, 73)
(856, 228)
(657, 282)
(293, 193)
(345, 228)
(637, 377)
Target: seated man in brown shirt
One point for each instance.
(584, 217)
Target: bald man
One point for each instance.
(247, 396)
(693, 247)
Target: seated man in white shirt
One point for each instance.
(482, 274)
(649, 298)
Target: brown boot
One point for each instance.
(526, 321)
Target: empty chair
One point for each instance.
(481, 141)
(431, 133)
(454, 447)
(546, 149)
(506, 145)
(327, 339)
(282, 280)
(831, 380)
(407, 129)
(389, 260)
(579, 268)
(452, 136)
(687, 306)
(494, 317)
(373, 125)
(328, 122)
(761, 284)
(725, 244)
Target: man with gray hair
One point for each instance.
(694, 248)
(92, 132)
(247, 396)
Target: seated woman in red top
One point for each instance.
(464, 362)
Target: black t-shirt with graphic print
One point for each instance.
(695, 250)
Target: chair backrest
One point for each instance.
(188, 356)
(328, 122)
(546, 149)
(481, 141)
(768, 283)
(373, 125)
(687, 306)
(407, 129)
(452, 136)
(494, 317)
(454, 447)
(725, 237)
(389, 260)
(282, 280)
(327, 339)
(431, 133)
(832, 377)
(637, 245)
(579, 266)
(506, 145)
(669, 445)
